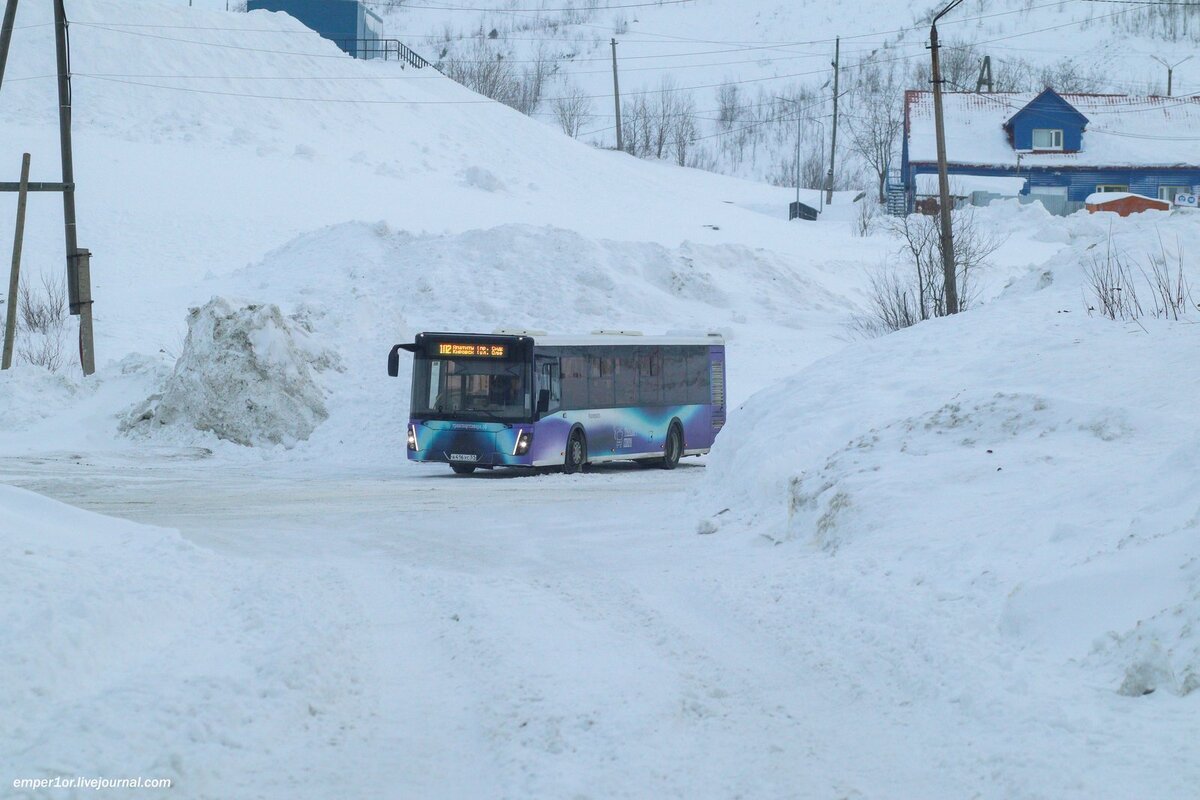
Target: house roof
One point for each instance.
(1124, 130)
(1044, 101)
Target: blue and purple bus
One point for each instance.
(526, 399)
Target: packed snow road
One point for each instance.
(504, 636)
(397, 632)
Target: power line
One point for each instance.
(863, 65)
(529, 10)
(1148, 3)
(750, 45)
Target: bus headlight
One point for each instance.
(412, 437)
(524, 440)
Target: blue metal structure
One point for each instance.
(346, 23)
(1059, 169)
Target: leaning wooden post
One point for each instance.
(14, 280)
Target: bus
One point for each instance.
(527, 399)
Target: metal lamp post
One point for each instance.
(799, 135)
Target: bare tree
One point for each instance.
(912, 290)
(490, 70)
(813, 165)
(684, 129)
(876, 123)
(729, 106)
(573, 110)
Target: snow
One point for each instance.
(963, 185)
(247, 374)
(1123, 130)
(879, 607)
(1099, 198)
(1108, 197)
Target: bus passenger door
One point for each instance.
(550, 382)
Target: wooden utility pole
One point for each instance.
(617, 95)
(6, 29)
(949, 279)
(837, 50)
(79, 290)
(79, 295)
(14, 280)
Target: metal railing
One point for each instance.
(387, 49)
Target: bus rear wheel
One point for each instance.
(672, 448)
(576, 455)
(462, 469)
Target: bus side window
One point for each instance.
(649, 376)
(627, 377)
(698, 374)
(574, 381)
(674, 376)
(548, 377)
(600, 378)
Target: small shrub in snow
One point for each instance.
(913, 288)
(42, 323)
(866, 213)
(1114, 280)
(1110, 279)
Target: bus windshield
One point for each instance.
(471, 389)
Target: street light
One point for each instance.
(1170, 69)
(800, 119)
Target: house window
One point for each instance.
(1047, 139)
(1113, 187)
(1168, 192)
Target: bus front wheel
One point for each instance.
(576, 455)
(672, 448)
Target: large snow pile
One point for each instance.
(131, 652)
(365, 287)
(247, 374)
(1008, 498)
(1003, 505)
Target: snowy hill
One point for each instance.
(369, 142)
(1002, 507)
(955, 561)
(744, 72)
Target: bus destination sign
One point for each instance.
(471, 349)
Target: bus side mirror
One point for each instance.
(543, 404)
(394, 361)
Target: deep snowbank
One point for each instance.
(129, 651)
(360, 288)
(1011, 496)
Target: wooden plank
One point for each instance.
(14, 281)
(10, 186)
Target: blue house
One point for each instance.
(1057, 148)
(347, 23)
